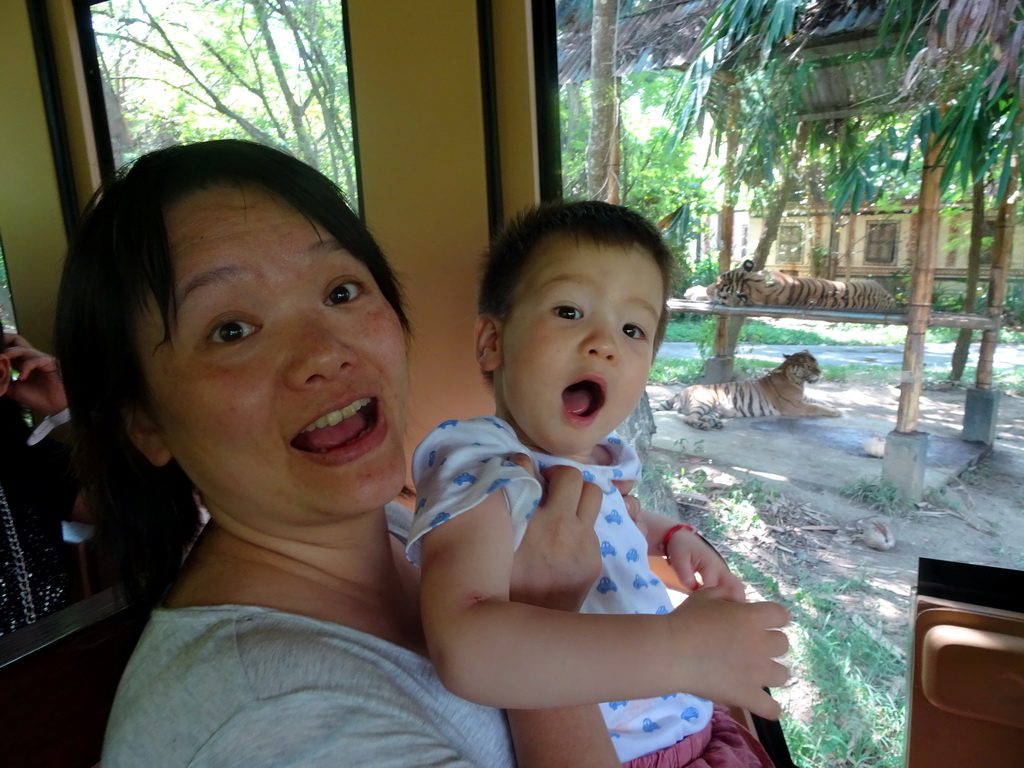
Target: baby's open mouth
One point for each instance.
(584, 398)
(339, 427)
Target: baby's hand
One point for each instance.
(728, 650)
(689, 555)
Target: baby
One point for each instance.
(572, 309)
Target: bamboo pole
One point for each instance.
(921, 281)
(725, 329)
(1002, 249)
(935, 319)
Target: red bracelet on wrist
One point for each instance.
(669, 533)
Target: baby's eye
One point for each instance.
(343, 293)
(568, 313)
(233, 330)
(634, 331)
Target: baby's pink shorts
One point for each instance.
(723, 743)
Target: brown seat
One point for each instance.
(58, 678)
(967, 676)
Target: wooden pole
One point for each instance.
(727, 329)
(851, 233)
(963, 340)
(921, 281)
(893, 317)
(1002, 249)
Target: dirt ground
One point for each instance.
(973, 512)
(974, 509)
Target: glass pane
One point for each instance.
(619, 124)
(272, 71)
(6, 302)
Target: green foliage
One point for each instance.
(853, 670)
(1013, 309)
(670, 371)
(659, 177)
(878, 494)
(273, 71)
(846, 669)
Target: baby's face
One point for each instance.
(577, 346)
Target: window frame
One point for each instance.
(784, 249)
(873, 244)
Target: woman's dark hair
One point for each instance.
(118, 261)
(517, 243)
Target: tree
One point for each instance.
(273, 71)
(969, 56)
(602, 147)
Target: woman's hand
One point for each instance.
(559, 558)
(39, 386)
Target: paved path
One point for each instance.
(937, 354)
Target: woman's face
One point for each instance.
(282, 390)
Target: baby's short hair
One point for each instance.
(602, 223)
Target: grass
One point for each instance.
(878, 494)
(844, 707)
(698, 330)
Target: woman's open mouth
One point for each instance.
(583, 399)
(338, 428)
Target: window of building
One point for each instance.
(988, 240)
(174, 71)
(790, 244)
(883, 239)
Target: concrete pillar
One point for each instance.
(980, 411)
(904, 462)
(718, 369)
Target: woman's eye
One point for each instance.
(633, 331)
(340, 294)
(235, 330)
(568, 313)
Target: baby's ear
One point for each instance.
(146, 436)
(488, 343)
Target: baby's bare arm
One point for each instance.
(507, 654)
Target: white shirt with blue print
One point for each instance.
(463, 461)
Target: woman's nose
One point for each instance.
(317, 352)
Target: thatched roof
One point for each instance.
(665, 37)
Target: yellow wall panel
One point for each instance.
(30, 216)
(419, 122)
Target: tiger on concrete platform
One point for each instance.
(742, 287)
(780, 392)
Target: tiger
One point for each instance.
(780, 392)
(743, 287)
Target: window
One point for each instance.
(791, 244)
(619, 115)
(988, 241)
(272, 71)
(883, 239)
(6, 302)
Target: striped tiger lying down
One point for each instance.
(779, 392)
(743, 287)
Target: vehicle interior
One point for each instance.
(450, 107)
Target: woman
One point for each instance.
(229, 331)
